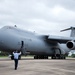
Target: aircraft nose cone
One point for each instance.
(2, 45)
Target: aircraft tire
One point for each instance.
(40, 57)
(35, 57)
(53, 57)
(45, 57)
(62, 57)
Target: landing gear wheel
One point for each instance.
(40, 57)
(63, 57)
(35, 57)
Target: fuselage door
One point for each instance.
(22, 44)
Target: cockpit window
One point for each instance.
(8, 27)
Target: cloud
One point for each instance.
(42, 16)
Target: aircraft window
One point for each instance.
(9, 27)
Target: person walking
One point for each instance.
(16, 57)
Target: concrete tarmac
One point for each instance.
(29, 66)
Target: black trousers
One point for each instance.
(16, 63)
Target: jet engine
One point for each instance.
(70, 45)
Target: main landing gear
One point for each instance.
(58, 57)
(40, 57)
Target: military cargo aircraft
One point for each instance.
(41, 46)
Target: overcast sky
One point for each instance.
(41, 16)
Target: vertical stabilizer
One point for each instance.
(72, 31)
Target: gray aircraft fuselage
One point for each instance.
(12, 38)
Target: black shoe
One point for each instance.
(15, 68)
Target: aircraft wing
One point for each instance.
(58, 39)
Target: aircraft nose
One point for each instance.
(9, 41)
(2, 45)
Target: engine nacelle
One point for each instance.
(70, 45)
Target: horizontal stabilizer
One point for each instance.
(72, 31)
(68, 29)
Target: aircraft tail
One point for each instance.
(72, 31)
